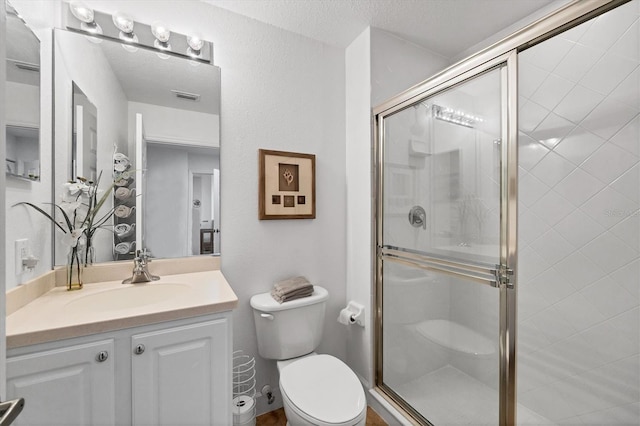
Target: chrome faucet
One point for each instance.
(141, 272)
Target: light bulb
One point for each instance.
(128, 38)
(81, 11)
(160, 31)
(91, 27)
(123, 22)
(195, 43)
(161, 45)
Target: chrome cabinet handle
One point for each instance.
(139, 349)
(102, 356)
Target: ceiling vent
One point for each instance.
(186, 95)
(25, 66)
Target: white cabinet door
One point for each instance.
(183, 375)
(71, 386)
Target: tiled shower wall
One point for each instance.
(578, 353)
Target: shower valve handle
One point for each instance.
(418, 217)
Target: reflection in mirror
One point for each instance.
(84, 142)
(181, 188)
(23, 99)
(156, 119)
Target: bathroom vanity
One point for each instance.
(147, 354)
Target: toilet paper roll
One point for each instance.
(346, 317)
(243, 409)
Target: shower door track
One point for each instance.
(502, 54)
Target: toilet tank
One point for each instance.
(290, 329)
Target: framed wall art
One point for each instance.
(287, 185)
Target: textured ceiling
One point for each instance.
(447, 27)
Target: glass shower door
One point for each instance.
(439, 249)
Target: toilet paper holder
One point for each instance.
(352, 314)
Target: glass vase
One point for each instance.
(89, 255)
(74, 268)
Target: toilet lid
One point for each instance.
(324, 388)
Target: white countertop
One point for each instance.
(107, 306)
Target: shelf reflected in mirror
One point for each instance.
(22, 99)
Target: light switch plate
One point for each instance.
(21, 251)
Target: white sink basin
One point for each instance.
(129, 296)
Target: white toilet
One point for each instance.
(316, 389)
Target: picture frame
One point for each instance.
(287, 185)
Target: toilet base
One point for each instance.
(295, 419)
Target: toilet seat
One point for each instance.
(324, 391)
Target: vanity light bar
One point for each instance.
(455, 116)
(142, 35)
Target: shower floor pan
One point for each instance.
(449, 396)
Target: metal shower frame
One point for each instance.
(501, 55)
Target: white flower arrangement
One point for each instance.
(80, 210)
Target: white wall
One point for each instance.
(173, 125)
(378, 65)
(397, 64)
(358, 153)
(279, 91)
(167, 201)
(24, 104)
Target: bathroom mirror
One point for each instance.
(23, 100)
(153, 116)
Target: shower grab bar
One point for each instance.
(418, 256)
(422, 264)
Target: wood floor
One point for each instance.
(277, 418)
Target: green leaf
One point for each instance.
(66, 217)
(46, 215)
